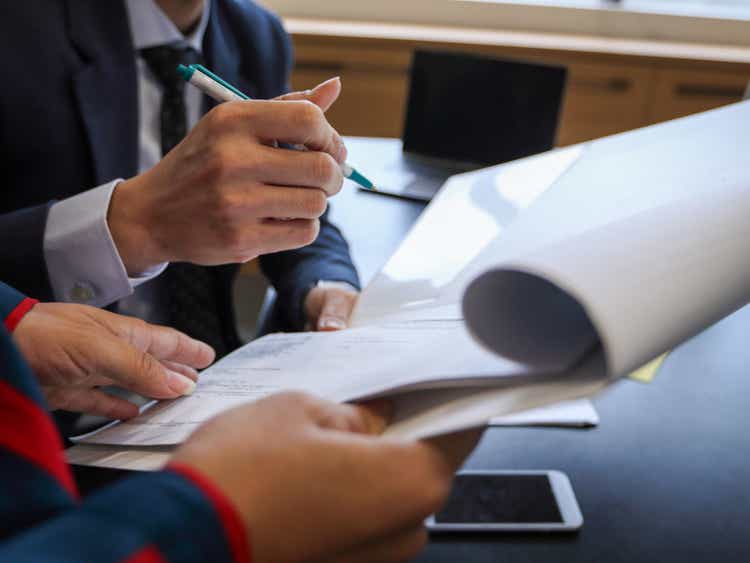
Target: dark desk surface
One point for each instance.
(666, 475)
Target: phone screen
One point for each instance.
(501, 499)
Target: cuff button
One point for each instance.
(81, 293)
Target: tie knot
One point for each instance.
(164, 60)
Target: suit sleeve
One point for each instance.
(167, 516)
(175, 515)
(22, 263)
(293, 273)
(13, 306)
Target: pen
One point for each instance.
(221, 91)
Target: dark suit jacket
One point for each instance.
(69, 122)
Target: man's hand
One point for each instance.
(329, 305)
(73, 349)
(227, 193)
(302, 468)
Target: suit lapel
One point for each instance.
(106, 87)
(222, 54)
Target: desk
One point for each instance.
(665, 477)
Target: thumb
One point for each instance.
(336, 310)
(138, 371)
(323, 95)
(163, 343)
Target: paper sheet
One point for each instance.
(638, 295)
(578, 413)
(341, 366)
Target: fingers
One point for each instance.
(138, 371)
(346, 418)
(295, 122)
(89, 401)
(456, 447)
(379, 413)
(406, 481)
(187, 371)
(338, 304)
(323, 95)
(308, 169)
(277, 202)
(286, 235)
(164, 343)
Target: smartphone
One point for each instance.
(516, 501)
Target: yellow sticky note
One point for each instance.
(647, 373)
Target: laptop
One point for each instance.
(469, 111)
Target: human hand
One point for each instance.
(74, 349)
(298, 467)
(226, 193)
(329, 305)
(323, 95)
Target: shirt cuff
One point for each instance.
(234, 528)
(82, 259)
(15, 316)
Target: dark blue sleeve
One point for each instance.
(293, 273)
(9, 300)
(154, 517)
(22, 262)
(176, 515)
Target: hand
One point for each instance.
(329, 305)
(73, 349)
(298, 467)
(221, 194)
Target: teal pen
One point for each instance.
(221, 91)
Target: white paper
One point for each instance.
(341, 366)
(577, 413)
(430, 412)
(118, 457)
(442, 411)
(647, 283)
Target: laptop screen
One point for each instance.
(474, 110)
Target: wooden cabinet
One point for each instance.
(375, 84)
(372, 101)
(608, 92)
(602, 100)
(682, 92)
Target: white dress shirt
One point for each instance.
(81, 256)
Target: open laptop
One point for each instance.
(469, 111)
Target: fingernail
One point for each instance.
(179, 383)
(331, 323)
(341, 151)
(334, 79)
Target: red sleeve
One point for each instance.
(230, 519)
(15, 316)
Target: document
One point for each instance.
(355, 364)
(498, 303)
(578, 413)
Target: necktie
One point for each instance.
(192, 290)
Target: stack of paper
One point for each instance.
(520, 286)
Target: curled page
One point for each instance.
(638, 286)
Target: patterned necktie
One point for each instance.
(193, 304)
